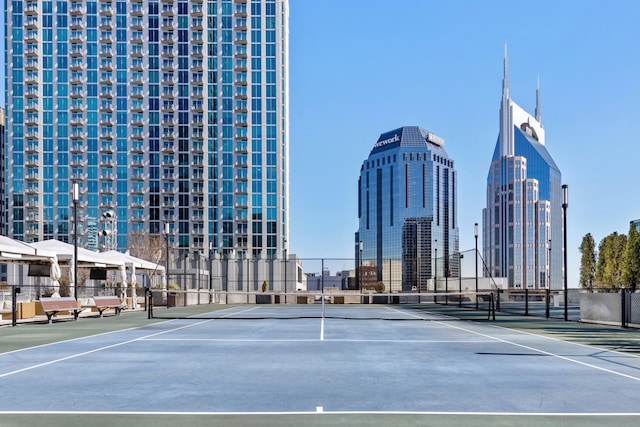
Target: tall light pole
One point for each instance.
(285, 271)
(186, 259)
(547, 292)
(360, 266)
(435, 268)
(565, 204)
(210, 272)
(475, 233)
(76, 197)
(460, 256)
(166, 261)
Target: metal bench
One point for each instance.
(52, 306)
(104, 303)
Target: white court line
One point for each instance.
(548, 353)
(324, 412)
(487, 341)
(84, 353)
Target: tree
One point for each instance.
(147, 246)
(631, 259)
(379, 287)
(587, 261)
(610, 255)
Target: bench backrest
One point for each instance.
(58, 304)
(107, 301)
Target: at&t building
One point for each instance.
(407, 236)
(522, 235)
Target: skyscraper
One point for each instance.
(522, 233)
(167, 113)
(407, 212)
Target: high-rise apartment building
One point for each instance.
(166, 113)
(3, 161)
(522, 233)
(407, 212)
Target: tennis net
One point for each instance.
(205, 304)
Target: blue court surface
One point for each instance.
(289, 365)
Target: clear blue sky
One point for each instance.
(360, 68)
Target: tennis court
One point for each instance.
(314, 364)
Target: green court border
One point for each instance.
(27, 335)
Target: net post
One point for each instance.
(492, 308)
(149, 304)
(526, 301)
(546, 302)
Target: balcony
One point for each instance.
(31, 64)
(76, 9)
(106, 147)
(137, 9)
(107, 163)
(77, 65)
(77, 161)
(32, 119)
(137, 146)
(32, 147)
(77, 51)
(78, 133)
(105, 23)
(31, 23)
(106, 9)
(196, 9)
(77, 147)
(76, 121)
(32, 161)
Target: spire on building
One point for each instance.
(538, 106)
(505, 78)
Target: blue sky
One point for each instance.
(360, 68)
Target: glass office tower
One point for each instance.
(522, 233)
(407, 213)
(169, 114)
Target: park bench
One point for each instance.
(104, 303)
(52, 306)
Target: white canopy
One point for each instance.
(86, 258)
(15, 251)
(133, 263)
(137, 263)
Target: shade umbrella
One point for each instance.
(134, 281)
(123, 280)
(71, 274)
(54, 275)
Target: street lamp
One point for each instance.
(475, 233)
(285, 271)
(548, 287)
(76, 197)
(184, 267)
(166, 261)
(360, 266)
(460, 256)
(565, 204)
(210, 272)
(435, 270)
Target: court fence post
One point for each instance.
(623, 308)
